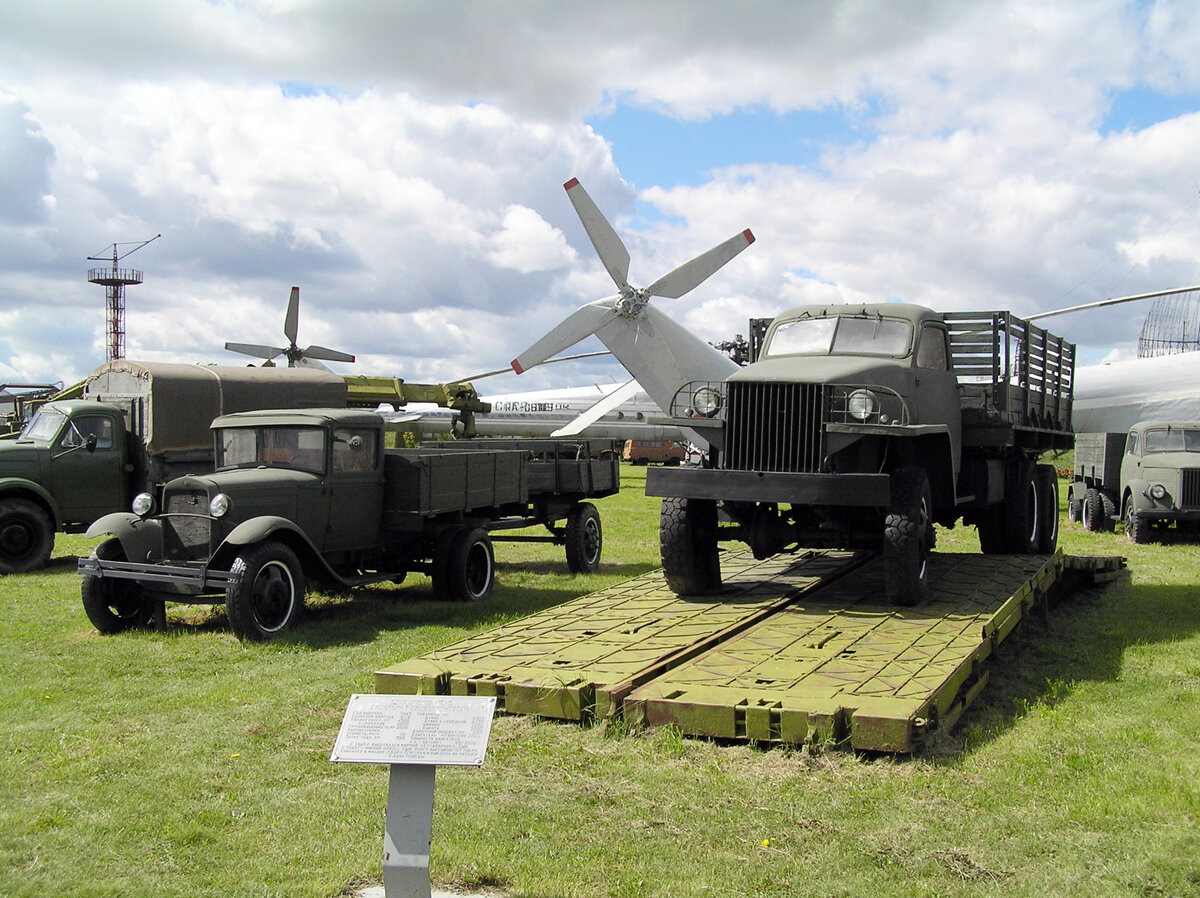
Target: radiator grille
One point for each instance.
(775, 427)
(186, 529)
(1191, 489)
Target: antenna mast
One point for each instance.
(115, 280)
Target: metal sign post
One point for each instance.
(413, 734)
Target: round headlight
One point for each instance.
(861, 404)
(707, 401)
(219, 505)
(143, 504)
(1158, 491)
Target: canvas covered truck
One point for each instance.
(134, 426)
(314, 495)
(864, 425)
(1149, 478)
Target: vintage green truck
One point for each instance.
(137, 425)
(862, 426)
(314, 495)
(1150, 477)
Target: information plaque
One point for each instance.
(415, 729)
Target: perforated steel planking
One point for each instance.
(796, 649)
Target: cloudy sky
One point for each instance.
(403, 162)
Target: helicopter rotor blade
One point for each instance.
(581, 323)
(609, 248)
(693, 273)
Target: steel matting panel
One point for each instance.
(577, 660)
(839, 665)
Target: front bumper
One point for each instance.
(833, 490)
(178, 580)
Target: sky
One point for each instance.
(403, 164)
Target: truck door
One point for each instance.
(356, 482)
(937, 392)
(87, 468)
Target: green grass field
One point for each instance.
(186, 763)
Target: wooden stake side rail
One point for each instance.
(796, 649)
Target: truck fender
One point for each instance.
(30, 489)
(141, 538)
(257, 530)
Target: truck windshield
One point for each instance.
(1173, 440)
(302, 448)
(842, 336)
(45, 425)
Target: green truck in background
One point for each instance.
(315, 495)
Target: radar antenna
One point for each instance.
(115, 280)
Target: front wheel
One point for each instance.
(114, 606)
(585, 539)
(26, 537)
(908, 538)
(1137, 526)
(687, 541)
(267, 596)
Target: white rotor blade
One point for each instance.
(599, 410)
(291, 321)
(256, 349)
(609, 248)
(691, 274)
(329, 355)
(581, 323)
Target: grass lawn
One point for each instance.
(186, 763)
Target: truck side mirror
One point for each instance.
(90, 445)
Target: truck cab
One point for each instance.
(66, 468)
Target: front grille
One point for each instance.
(186, 526)
(775, 427)
(1191, 489)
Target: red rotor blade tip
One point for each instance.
(574, 182)
(516, 366)
(749, 236)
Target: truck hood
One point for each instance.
(21, 459)
(253, 492)
(823, 369)
(1166, 465)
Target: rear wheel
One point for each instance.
(1094, 518)
(585, 539)
(1047, 484)
(687, 541)
(268, 596)
(114, 606)
(908, 538)
(1022, 514)
(26, 537)
(464, 565)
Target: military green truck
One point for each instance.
(315, 495)
(864, 425)
(135, 426)
(1150, 477)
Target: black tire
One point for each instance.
(1047, 484)
(1094, 518)
(908, 538)
(1022, 515)
(991, 531)
(1137, 526)
(1074, 508)
(114, 606)
(464, 565)
(268, 596)
(585, 539)
(26, 537)
(687, 542)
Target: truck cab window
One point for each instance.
(354, 450)
(83, 428)
(933, 352)
(1131, 447)
(45, 424)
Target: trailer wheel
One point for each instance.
(687, 542)
(114, 606)
(268, 596)
(1022, 514)
(1094, 518)
(1137, 526)
(1047, 484)
(1074, 506)
(464, 565)
(585, 539)
(26, 537)
(908, 538)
